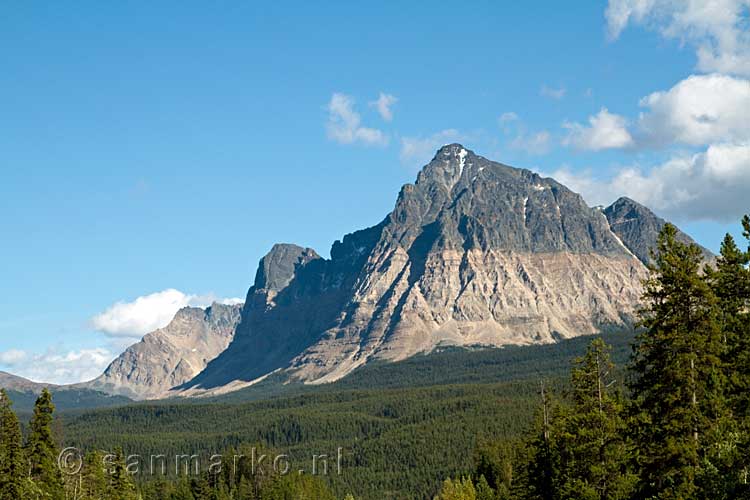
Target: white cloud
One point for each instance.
(698, 110)
(12, 357)
(66, 367)
(134, 319)
(344, 124)
(420, 150)
(533, 144)
(717, 29)
(383, 104)
(710, 185)
(552, 93)
(605, 131)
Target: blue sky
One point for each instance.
(158, 151)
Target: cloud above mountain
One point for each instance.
(604, 131)
(133, 319)
(711, 185)
(57, 366)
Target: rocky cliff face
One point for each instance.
(638, 228)
(475, 252)
(171, 355)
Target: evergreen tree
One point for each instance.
(460, 489)
(540, 479)
(677, 382)
(42, 450)
(593, 453)
(495, 462)
(13, 479)
(484, 490)
(94, 476)
(121, 485)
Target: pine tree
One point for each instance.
(495, 462)
(42, 450)
(593, 453)
(460, 489)
(484, 490)
(677, 382)
(94, 476)
(540, 476)
(121, 485)
(13, 480)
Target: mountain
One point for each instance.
(23, 393)
(171, 355)
(474, 253)
(638, 228)
(15, 383)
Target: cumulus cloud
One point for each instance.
(12, 357)
(65, 367)
(698, 110)
(604, 131)
(344, 124)
(134, 319)
(420, 150)
(716, 29)
(383, 104)
(710, 185)
(552, 93)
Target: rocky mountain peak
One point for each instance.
(447, 167)
(276, 269)
(638, 228)
(468, 201)
(475, 252)
(171, 355)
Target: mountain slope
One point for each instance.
(23, 393)
(638, 228)
(16, 383)
(475, 252)
(171, 355)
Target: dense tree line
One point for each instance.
(28, 469)
(678, 425)
(36, 469)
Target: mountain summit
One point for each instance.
(474, 253)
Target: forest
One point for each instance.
(659, 412)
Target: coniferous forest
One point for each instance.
(659, 413)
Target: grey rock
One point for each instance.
(638, 228)
(171, 355)
(474, 253)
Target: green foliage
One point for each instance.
(95, 480)
(13, 480)
(398, 441)
(42, 449)
(590, 442)
(678, 378)
(460, 489)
